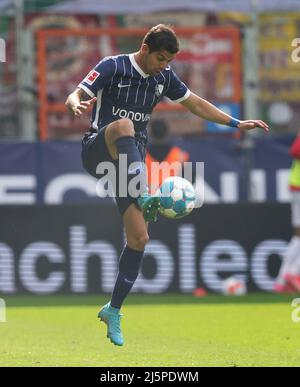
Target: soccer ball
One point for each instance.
(177, 197)
(234, 287)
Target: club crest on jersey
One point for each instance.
(91, 77)
(158, 90)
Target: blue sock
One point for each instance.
(126, 146)
(129, 266)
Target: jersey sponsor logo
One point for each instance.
(134, 116)
(158, 90)
(91, 77)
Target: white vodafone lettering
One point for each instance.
(134, 116)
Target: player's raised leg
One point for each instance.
(129, 266)
(120, 140)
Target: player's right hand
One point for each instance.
(83, 106)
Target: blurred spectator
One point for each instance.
(212, 20)
(163, 159)
(289, 276)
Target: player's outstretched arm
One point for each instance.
(204, 109)
(79, 101)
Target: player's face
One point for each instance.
(157, 61)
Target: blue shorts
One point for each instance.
(94, 151)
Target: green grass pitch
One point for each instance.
(162, 330)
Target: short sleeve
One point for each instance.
(177, 90)
(99, 77)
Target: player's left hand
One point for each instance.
(252, 124)
(83, 106)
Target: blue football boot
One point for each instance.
(150, 205)
(111, 317)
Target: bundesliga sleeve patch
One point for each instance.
(91, 77)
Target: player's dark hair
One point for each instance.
(161, 37)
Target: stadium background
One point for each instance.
(53, 238)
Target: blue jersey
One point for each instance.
(123, 90)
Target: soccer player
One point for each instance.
(288, 280)
(123, 90)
